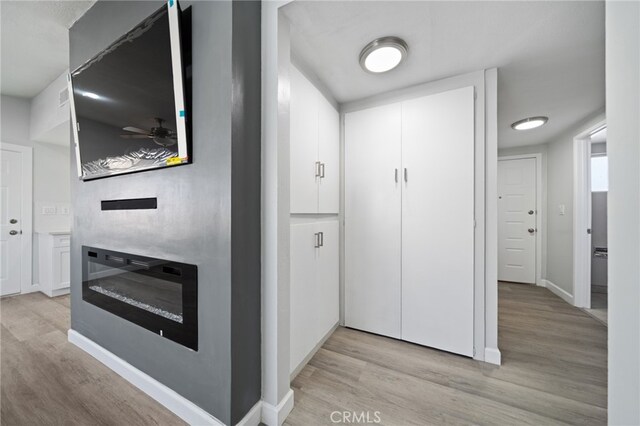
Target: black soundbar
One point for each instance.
(130, 204)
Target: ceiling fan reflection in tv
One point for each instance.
(160, 135)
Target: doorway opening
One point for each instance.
(590, 221)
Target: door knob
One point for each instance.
(13, 221)
(531, 230)
(530, 212)
(13, 232)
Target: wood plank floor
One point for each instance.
(45, 380)
(554, 371)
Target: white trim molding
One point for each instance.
(492, 356)
(276, 415)
(26, 247)
(561, 293)
(540, 260)
(176, 403)
(582, 216)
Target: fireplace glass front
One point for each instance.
(159, 295)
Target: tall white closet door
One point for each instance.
(437, 220)
(304, 144)
(329, 156)
(372, 220)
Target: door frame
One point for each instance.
(582, 216)
(26, 248)
(539, 209)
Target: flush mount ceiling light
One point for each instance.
(529, 123)
(383, 54)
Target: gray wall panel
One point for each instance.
(193, 222)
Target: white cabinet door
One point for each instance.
(314, 286)
(437, 220)
(303, 288)
(61, 268)
(303, 144)
(329, 156)
(372, 220)
(327, 292)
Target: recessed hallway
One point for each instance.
(554, 371)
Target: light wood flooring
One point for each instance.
(46, 380)
(554, 371)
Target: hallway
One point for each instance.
(554, 371)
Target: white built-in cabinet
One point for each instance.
(54, 263)
(409, 220)
(314, 286)
(314, 205)
(314, 149)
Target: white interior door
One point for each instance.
(438, 220)
(303, 144)
(329, 156)
(11, 222)
(517, 212)
(372, 220)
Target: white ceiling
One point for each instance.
(550, 55)
(35, 43)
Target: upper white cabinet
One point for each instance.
(314, 149)
(409, 220)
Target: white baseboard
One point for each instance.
(179, 405)
(275, 415)
(492, 356)
(563, 294)
(58, 292)
(253, 417)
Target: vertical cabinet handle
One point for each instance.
(396, 175)
(319, 239)
(405, 175)
(317, 166)
(321, 170)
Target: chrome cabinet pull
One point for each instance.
(321, 170)
(396, 175)
(321, 234)
(317, 166)
(406, 177)
(317, 240)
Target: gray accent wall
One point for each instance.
(208, 212)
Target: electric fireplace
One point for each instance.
(157, 294)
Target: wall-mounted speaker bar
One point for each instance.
(130, 204)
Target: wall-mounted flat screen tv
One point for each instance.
(129, 102)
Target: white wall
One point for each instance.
(623, 146)
(49, 121)
(560, 176)
(51, 170)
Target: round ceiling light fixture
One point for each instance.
(383, 54)
(529, 123)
